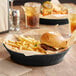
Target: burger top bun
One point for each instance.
(53, 39)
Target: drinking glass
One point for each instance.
(16, 20)
(72, 21)
(32, 11)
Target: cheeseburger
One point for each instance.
(52, 41)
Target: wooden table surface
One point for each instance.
(65, 68)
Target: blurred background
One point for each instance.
(68, 1)
(21, 2)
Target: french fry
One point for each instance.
(25, 43)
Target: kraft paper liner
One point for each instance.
(9, 68)
(1, 74)
(3, 53)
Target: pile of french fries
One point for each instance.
(25, 43)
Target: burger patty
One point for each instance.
(46, 47)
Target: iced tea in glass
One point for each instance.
(32, 11)
(72, 21)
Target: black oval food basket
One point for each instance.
(53, 21)
(36, 60)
